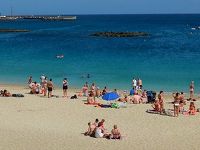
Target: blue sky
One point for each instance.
(21, 7)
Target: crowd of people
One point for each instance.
(137, 95)
(179, 104)
(98, 130)
(45, 86)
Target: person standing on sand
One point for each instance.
(140, 83)
(30, 80)
(65, 87)
(44, 87)
(50, 88)
(191, 90)
(161, 101)
(134, 83)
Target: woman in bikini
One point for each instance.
(161, 100)
(90, 99)
(176, 104)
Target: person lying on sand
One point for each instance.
(91, 129)
(6, 93)
(115, 133)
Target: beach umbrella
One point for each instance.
(110, 96)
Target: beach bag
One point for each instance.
(114, 105)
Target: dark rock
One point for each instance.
(120, 34)
(13, 30)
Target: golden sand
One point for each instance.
(39, 123)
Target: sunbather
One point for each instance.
(115, 133)
(6, 93)
(90, 99)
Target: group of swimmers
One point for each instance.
(97, 130)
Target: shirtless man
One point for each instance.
(115, 133)
(50, 88)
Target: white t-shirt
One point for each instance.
(98, 133)
(134, 82)
(42, 78)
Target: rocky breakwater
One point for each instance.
(13, 30)
(120, 34)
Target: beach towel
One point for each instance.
(152, 111)
(92, 103)
(105, 106)
(17, 95)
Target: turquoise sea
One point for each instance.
(166, 60)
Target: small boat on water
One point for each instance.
(60, 56)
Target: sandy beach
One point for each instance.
(37, 122)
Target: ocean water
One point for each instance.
(169, 59)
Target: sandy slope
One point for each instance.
(35, 122)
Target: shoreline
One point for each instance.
(76, 90)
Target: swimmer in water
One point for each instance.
(60, 56)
